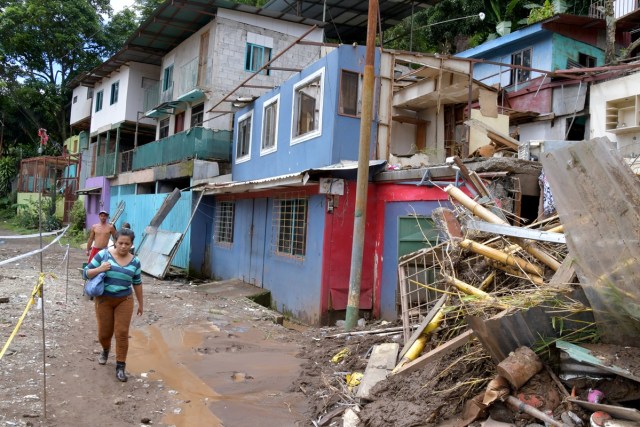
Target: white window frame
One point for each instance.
(304, 82)
(246, 157)
(268, 103)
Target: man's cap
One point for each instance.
(103, 212)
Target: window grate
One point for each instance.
(225, 211)
(290, 226)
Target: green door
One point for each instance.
(414, 233)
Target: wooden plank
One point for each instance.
(428, 318)
(501, 139)
(409, 119)
(565, 275)
(168, 204)
(494, 135)
(467, 176)
(437, 353)
(582, 354)
(613, 410)
(382, 361)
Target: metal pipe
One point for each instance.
(480, 211)
(360, 213)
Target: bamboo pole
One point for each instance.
(480, 211)
(504, 258)
(472, 290)
(518, 273)
(486, 282)
(556, 229)
(417, 347)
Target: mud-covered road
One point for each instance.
(195, 358)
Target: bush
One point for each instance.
(77, 217)
(28, 214)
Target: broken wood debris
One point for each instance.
(490, 288)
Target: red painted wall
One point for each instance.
(338, 241)
(528, 100)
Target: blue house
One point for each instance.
(285, 222)
(541, 103)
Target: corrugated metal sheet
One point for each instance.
(140, 209)
(598, 200)
(154, 254)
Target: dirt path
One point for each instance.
(195, 359)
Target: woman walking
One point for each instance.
(114, 308)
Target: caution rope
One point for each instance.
(37, 251)
(37, 291)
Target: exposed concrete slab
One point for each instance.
(381, 363)
(232, 288)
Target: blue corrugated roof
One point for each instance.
(516, 36)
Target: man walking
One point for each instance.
(99, 235)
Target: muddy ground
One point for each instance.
(195, 358)
(203, 355)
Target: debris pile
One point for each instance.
(523, 325)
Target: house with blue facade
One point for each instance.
(148, 115)
(285, 221)
(537, 101)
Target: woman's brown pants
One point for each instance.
(114, 317)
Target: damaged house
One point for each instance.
(288, 212)
(284, 222)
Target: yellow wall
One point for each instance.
(25, 198)
(73, 144)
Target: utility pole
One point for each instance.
(360, 213)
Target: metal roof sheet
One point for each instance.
(347, 19)
(289, 180)
(170, 24)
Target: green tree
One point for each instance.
(47, 42)
(442, 28)
(145, 8)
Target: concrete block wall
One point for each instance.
(229, 58)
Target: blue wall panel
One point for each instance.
(340, 134)
(140, 209)
(232, 261)
(392, 211)
(295, 285)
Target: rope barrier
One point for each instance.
(37, 251)
(36, 291)
(32, 236)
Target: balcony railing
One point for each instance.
(195, 143)
(620, 8)
(105, 165)
(167, 94)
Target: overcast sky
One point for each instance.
(118, 5)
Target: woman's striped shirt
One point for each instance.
(117, 280)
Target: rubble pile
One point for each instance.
(502, 324)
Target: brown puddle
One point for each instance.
(240, 374)
(163, 353)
